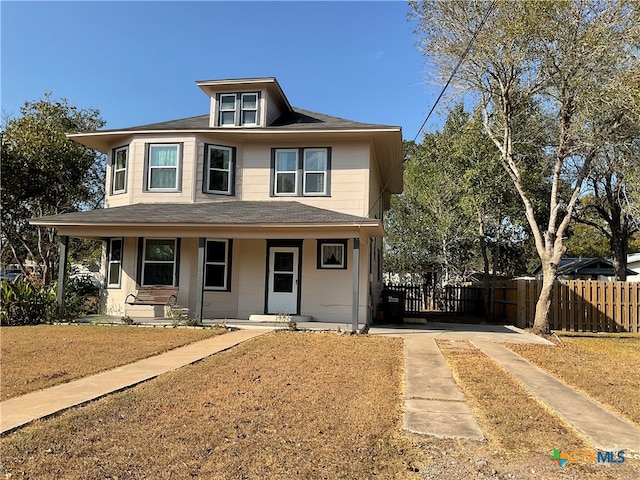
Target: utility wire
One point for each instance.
(455, 70)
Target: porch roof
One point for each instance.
(236, 214)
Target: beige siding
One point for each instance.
(250, 276)
(374, 187)
(273, 112)
(136, 174)
(349, 176)
(326, 294)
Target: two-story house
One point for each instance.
(255, 208)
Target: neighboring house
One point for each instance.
(633, 263)
(584, 269)
(254, 208)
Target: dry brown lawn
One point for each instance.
(42, 356)
(604, 367)
(292, 405)
(285, 405)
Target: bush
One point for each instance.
(81, 297)
(26, 301)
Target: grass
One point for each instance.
(605, 367)
(42, 356)
(285, 405)
(293, 405)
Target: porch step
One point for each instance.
(277, 319)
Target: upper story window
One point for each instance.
(315, 171)
(286, 172)
(300, 171)
(219, 169)
(163, 164)
(249, 109)
(119, 170)
(227, 110)
(238, 109)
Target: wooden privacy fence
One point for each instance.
(576, 305)
(453, 299)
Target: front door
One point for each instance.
(283, 280)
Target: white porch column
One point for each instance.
(62, 272)
(356, 285)
(200, 279)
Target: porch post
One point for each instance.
(62, 272)
(200, 279)
(356, 285)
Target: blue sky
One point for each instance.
(137, 62)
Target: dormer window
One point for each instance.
(238, 109)
(227, 110)
(249, 108)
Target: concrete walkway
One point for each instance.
(604, 429)
(19, 411)
(434, 404)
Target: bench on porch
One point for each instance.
(153, 296)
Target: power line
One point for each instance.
(455, 70)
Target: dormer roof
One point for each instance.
(270, 84)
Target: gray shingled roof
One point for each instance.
(206, 213)
(298, 119)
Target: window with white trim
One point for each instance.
(114, 263)
(217, 265)
(163, 165)
(227, 110)
(301, 171)
(332, 254)
(286, 172)
(219, 169)
(249, 109)
(119, 170)
(315, 171)
(238, 109)
(159, 261)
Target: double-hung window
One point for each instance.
(249, 109)
(301, 171)
(219, 169)
(159, 261)
(217, 265)
(286, 172)
(227, 110)
(114, 268)
(163, 165)
(315, 171)
(119, 170)
(238, 109)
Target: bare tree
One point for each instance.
(558, 61)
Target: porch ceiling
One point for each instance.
(246, 218)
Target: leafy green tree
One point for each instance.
(563, 62)
(45, 173)
(455, 215)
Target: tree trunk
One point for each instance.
(485, 258)
(543, 306)
(619, 248)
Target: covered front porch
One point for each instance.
(230, 261)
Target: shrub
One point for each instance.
(26, 301)
(81, 297)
